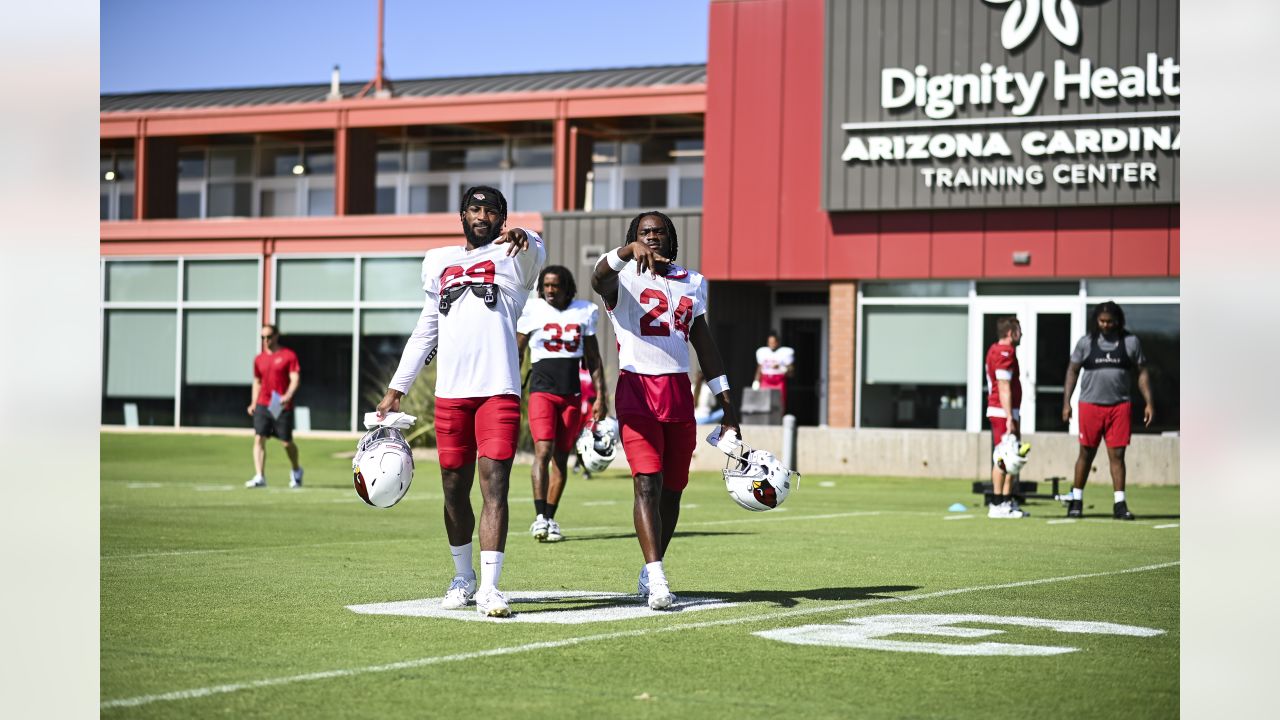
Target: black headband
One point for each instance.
(484, 199)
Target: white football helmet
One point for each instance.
(755, 479)
(383, 467)
(598, 444)
(1010, 455)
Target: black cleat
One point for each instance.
(1121, 511)
(1075, 508)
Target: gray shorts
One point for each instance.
(265, 425)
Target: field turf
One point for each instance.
(222, 601)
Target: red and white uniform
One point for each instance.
(1002, 364)
(477, 369)
(653, 399)
(556, 348)
(773, 368)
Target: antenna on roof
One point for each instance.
(381, 86)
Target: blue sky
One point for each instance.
(183, 44)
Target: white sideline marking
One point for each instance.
(239, 549)
(1061, 522)
(630, 607)
(513, 649)
(598, 503)
(957, 517)
(827, 483)
(1163, 527)
(214, 488)
(143, 486)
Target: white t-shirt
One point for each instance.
(476, 343)
(653, 318)
(557, 333)
(775, 362)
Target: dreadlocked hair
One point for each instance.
(666, 221)
(566, 280)
(1111, 308)
(466, 198)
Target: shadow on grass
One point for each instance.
(632, 536)
(791, 598)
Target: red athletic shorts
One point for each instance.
(653, 446)
(555, 417)
(490, 425)
(775, 382)
(999, 426)
(1105, 421)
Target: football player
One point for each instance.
(562, 334)
(475, 293)
(657, 309)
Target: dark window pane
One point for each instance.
(644, 193)
(126, 206)
(230, 199)
(104, 210)
(279, 161)
(230, 162)
(320, 201)
(484, 157)
(390, 160)
(320, 161)
(531, 155)
(189, 205)
(690, 192)
(191, 165)
(386, 201)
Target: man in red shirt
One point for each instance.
(1004, 397)
(275, 382)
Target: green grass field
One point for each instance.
(222, 601)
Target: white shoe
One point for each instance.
(295, 479)
(660, 597)
(642, 586)
(539, 529)
(461, 590)
(492, 603)
(1005, 511)
(553, 531)
(256, 481)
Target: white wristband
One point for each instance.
(615, 263)
(718, 384)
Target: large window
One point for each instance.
(179, 336)
(116, 179)
(658, 171)
(914, 364)
(348, 319)
(264, 179)
(430, 176)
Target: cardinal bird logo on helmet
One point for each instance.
(765, 493)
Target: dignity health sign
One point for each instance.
(996, 103)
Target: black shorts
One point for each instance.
(265, 425)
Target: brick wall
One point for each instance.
(840, 361)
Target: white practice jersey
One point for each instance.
(476, 344)
(653, 318)
(775, 362)
(555, 333)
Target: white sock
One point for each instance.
(540, 517)
(490, 568)
(1077, 493)
(462, 560)
(1119, 496)
(657, 576)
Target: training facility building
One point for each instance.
(879, 180)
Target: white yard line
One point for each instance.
(957, 517)
(194, 693)
(1165, 527)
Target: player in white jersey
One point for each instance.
(658, 308)
(475, 293)
(561, 332)
(775, 363)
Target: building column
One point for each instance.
(841, 359)
(560, 163)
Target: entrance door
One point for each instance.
(1049, 328)
(804, 329)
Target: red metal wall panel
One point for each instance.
(1013, 231)
(956, 244)
(802, 222)
(853, 246)
(1084, 242)
(1140, 242)
(757, 138)
(717, 189)
(904, 245)
(1175, 243)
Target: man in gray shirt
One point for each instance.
(1108, 355)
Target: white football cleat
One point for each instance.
(295, 479)
(539, 529)
(553, 531)
(660, 597)
(461, 590)
(642, 586)
(1005, 511)
(492, 603)
(256, 481)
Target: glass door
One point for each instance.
(1049, 328)
(803, 328)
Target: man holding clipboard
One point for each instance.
(275, 382)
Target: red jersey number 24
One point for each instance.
(653, 323)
